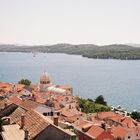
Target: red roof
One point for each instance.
(68, 113)
(95, 131)
(104, 115)
(129, 122)
(15, 99)
(19, 86)
(119, 132)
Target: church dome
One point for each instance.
(44, 78)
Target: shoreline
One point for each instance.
(95, 58)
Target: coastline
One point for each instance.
(97, 57)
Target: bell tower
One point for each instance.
(44, 81)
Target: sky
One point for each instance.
(100, 22)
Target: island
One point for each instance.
(114, 51)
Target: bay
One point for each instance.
(117, 80)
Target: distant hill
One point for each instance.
(134, 45)
(113, 51)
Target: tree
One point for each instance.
(24, 82)
(100, 100)
(135, 115)
(89, 106)
(90, 100)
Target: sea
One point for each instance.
(117, 80)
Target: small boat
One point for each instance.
(34, 54)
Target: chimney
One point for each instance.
(26, 134)
(5, 105)
(109, 130)
(22, 121)
(86, 128)
(103, 125)
(55, 120)
(77, 121)
(8, 120)
(125, 114)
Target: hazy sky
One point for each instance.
(69, 21)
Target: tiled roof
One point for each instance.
(28, 105)
(40, 96)
(34, 87)
(5, 102)
(95, 131)
(34, 123)
(129, 122)
(6, 86)
(67, 113)
(116, 118)
(119, 132)
(71, 119)
(16, 115)
(80, 123)
(19, 86)
(104, 115)
(15, 99)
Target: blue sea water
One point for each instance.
(117, 80)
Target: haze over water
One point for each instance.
(117, 80)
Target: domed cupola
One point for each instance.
(44, 78)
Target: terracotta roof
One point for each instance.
(2, 92)
(119, 132)
(86, 127)
(104, 115)
(81, 122)
(129, 122)
(34, 87)
(34, 123)
(116, 118)
(6, 86)
(67, 113)
(16, 115)
(95, 131)
(28, 105)
(15, 99)
(5, 102)
(19, 87)
(71, 119)
(40, 96)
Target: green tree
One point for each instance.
(24, 82)
(90, 100)
(135, 115)
(89, 106)
(100, 100)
